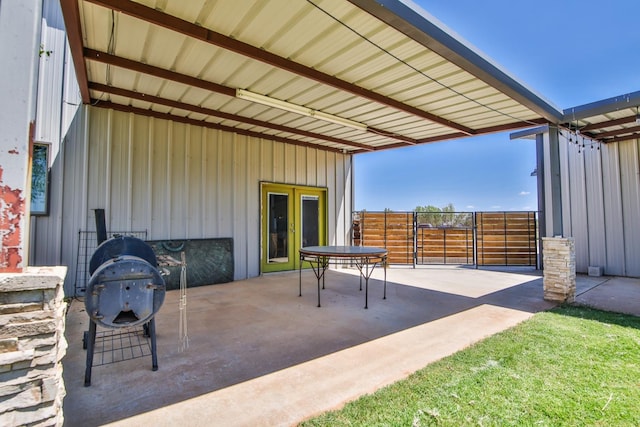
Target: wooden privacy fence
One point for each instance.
(390, 230)
(444, 245)
(481, 238)
(506, 238)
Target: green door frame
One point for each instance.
(281, 233)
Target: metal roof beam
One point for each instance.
(622, 138)
(189, 29)
(618, 132)
(71, 16)
(604, 106)
(187, 120)
(529, 133)
(607, 124)
(151, 70)
(214, 113)
(456, 135)
(161, 73)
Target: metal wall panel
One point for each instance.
(180, 181)
(601, 204)
(596, 236)
(565, 189)
(629, 172)
(50, 76)
(579, 218)
(614, 233)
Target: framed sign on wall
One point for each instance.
(40, 179)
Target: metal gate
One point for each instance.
(480, 238)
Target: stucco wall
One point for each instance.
(19, 49)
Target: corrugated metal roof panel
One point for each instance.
(333, 57)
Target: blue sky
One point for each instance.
(571, 52)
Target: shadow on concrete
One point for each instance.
(246, 329)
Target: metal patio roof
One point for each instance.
(609, 120)
(396, 75)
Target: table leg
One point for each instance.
(385, 277)
(300, 276)
(319, 266)
(365, 267)
(323, 263)
(366, 287)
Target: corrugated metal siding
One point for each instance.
(596, 235)
(629, 172)
(51, 75)
(180, 181)
(58, 106)
(601, 205)
(613, 210)
(56, 235)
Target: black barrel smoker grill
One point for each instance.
(125, 290)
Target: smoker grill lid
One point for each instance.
(124, 291)
(121, 245)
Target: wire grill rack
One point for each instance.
(87, 244)
(117, 345)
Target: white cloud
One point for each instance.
(470, 207)
(525, 193)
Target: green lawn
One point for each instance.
(570, 366)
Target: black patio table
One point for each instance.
(365, 258)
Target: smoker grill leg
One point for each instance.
(154, 354)
(91, 342)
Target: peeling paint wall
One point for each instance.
(19, 49)
(12, 211)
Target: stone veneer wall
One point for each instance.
(559, 262)
(32, 344)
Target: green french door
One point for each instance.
(292, 217)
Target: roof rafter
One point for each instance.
(457, 135)
(187, 120)
(189, 29)
(610, 123)
(214, 113)
(632, 129)
(622, 138)
(162, 73)
(71, 16)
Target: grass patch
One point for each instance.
(570, 366)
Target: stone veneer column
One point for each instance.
(32, 344)
(559, 263)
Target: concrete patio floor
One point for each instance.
(259, 355)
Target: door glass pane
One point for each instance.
(310, 221)
(278, 230)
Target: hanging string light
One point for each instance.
(578, 139)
